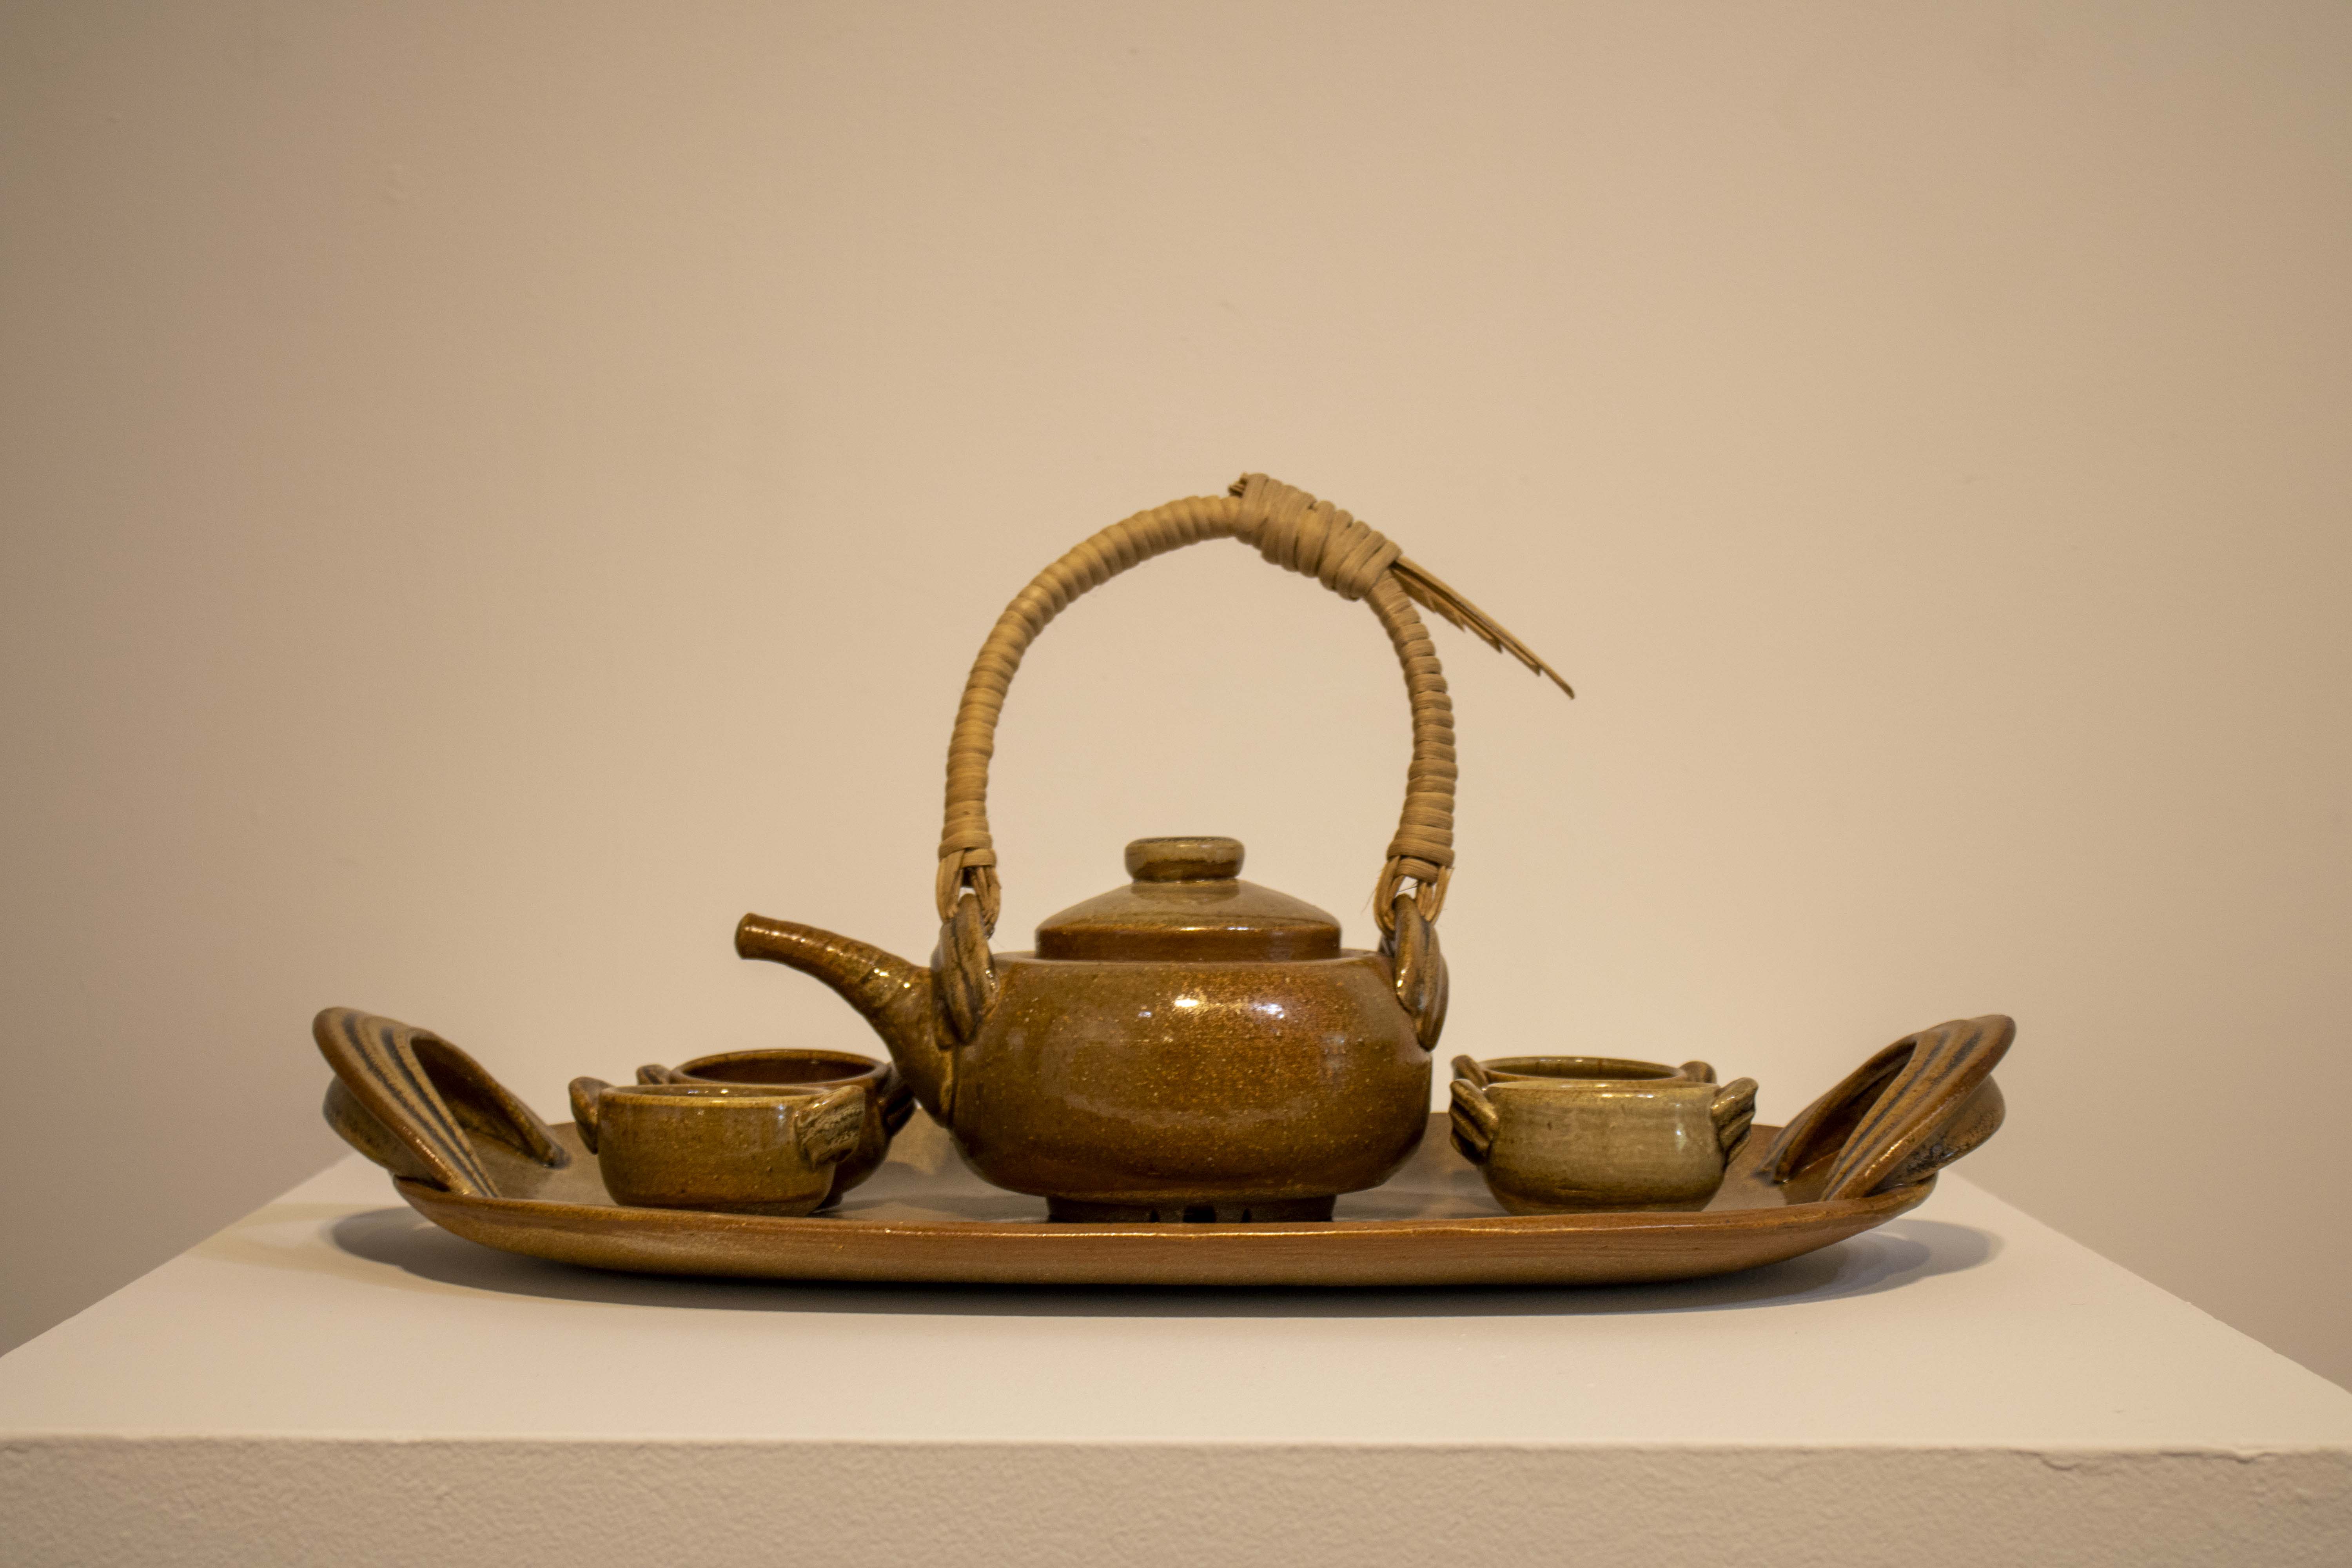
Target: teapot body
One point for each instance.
(1141, 1090)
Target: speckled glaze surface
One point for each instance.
(888, 1101)
(724, 1148)
(476, 1161)
(1214, 1054)
(1567, 1145)
(1236, 1086)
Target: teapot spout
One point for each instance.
(891, 994)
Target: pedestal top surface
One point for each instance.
(337, 1312)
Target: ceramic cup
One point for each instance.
(1559, 1145)
(738, 1149)
(1512, 1069)
(889, 1099)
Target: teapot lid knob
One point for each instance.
(1187, 859)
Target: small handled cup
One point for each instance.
(734, 1148)
(1559, 1145)
(889, 1099)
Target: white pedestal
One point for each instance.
(332, 1380)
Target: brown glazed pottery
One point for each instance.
(1557, 1145)
(1189, 1046)
(420, 1107)
(926, 1216)
(730, 1148)
(1900, 1117)
(888, 1101)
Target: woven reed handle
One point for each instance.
(1293, 530)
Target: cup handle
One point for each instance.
(1472, 1070)
(587, 1104)
(1473, 1121)
(1734, 1111)
(827, 1128)
(1698, 1072)
(654, 1072)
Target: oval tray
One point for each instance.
(923, 1217)
(476, 1161)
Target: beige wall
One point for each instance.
(493, 492)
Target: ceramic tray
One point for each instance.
(470, 1157)
(924, 1217)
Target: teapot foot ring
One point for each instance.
(1236, 1210)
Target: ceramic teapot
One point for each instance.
(1189, 1046)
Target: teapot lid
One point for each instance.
(1187, 901)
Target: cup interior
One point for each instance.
(1604, 1092)
(730, 1093)
(1506, 1069)
(781, 1066)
